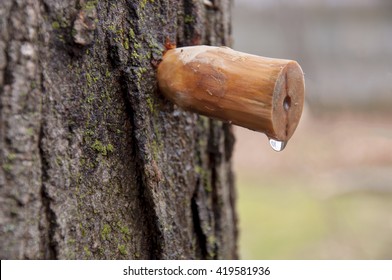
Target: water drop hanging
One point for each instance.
(277, 145)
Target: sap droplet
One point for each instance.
(277, 145)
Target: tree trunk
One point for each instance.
(95, 163)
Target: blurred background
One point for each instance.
(328, 195)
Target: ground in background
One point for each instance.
(327, 195)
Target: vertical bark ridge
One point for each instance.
(20, 116)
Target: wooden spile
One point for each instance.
(259, 93)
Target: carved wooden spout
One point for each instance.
(259, 93)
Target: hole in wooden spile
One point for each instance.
(287, 103)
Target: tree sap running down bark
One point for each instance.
(95, 163)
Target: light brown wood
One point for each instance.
(259, 93)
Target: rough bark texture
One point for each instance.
(95, 163)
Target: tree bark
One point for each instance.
(95, 163)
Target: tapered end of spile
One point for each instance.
(288, 101)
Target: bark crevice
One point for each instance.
(214, 163)
(201, 239)
(7, 73)
(154, 233)
(48, 216)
